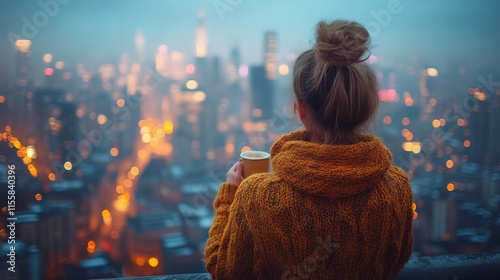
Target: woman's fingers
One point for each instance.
(235, 173)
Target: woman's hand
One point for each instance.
(235, 174)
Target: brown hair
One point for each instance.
(338, 88)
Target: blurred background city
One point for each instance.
(121, 119)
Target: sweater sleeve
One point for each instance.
(407, 241)
(229, 250)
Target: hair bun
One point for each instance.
(341, 43)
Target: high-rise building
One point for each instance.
(23, 62)
(140, 43)
(27, 264)
(236, 57)
(270, 55)
(262, 94)
(215, 76)
(188, 105)
(56, 129)
(177, 71)
(162, 61)
(201, 36)
(49, 226)
(233, 66)
(143, 240)
(67, 138)
(425, 108)
(99, 266)
(491, 188)
(20, 113)
(444, 220)
(46, 108)
(491, 173)
(201, 63)
(479, 124)
(179, 256)
(77, 193)
(494, 130)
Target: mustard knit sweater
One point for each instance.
(324, 212)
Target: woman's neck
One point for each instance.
(333, 138)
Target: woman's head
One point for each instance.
(333, 84)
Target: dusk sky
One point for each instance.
(94, 32)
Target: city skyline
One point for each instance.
(94, 33)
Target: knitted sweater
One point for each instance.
(324, 212)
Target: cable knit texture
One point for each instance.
(324, 212)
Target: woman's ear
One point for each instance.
(302, 109)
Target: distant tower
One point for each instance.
(494, 129)
(201, 36)
(56, 126)
(23, 62)
(201, 42)
(56, 219)
(162, 61)
(177, 66)
(188, 105)
(479, 123)
(444, 220)
(233, 66)
(425, 107)
(262, 94)
(271, 55)
(491, 173)
(140, 43)
(68, 132)
(236, 57)
(21, 113)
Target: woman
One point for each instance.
(333, 207)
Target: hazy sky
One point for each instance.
(98, 31)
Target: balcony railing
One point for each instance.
(474, 266)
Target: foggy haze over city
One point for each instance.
(96, 31)
(120, 120)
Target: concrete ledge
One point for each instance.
(480, 266)
(474, 266)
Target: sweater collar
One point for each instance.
(334, 171)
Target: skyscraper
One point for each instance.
(20, 115)
(201, 36)
(47, 109)
(23, 62)
(177, 66)
(188, 106)
(27, 264)
(262, 94)
(425, 107)
(140, 43)
(233, 66)
(271, 55)
(494, 130)
(49, 226)
(478, 123)
(162, 61)
(201, 45)
(444, 220)
(66, 140)
(56, 127)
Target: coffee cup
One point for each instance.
(255, 162)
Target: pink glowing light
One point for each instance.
(243, 71)
(387, 95)
(190, 69)
(48, 71)
(162, 49)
